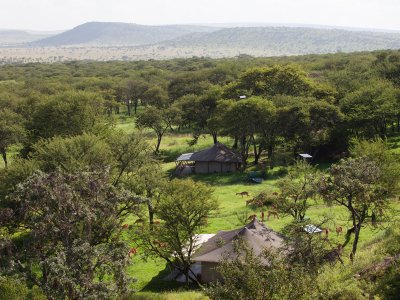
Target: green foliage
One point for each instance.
(296, 190)
(11, 131)
(13, 289)
(357, 184)
(243, 120)
(66, 114)
(72, 154)
(371, 106)
(267, 276)
(267, 82)
(69, 227)
(159, 120)
(10, 177)
(183, 208)
(378, 151)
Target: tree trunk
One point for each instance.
(187, 275)
(135, 105)
(257, 152)
(244, 151)
(151, 214)
(315, 154)
(235, 143)
(159, 137)
(128, 107)
(357, 229)
(215, 137)
(4, 155)
(270, 153)
(398, 123)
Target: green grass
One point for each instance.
(11, 154)
(182, 295)
(150, 274)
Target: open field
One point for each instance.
(62, 54)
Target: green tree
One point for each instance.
(156, 96)
(296, 190)
(245, 120)
(66, 114)
(371, 108)
(160, 120)
(135, 89)
(73, 154)
(183, 209)
(268, 276)
(271, 81)
(356, 184)
(381, 153)
(11, 131)
(68, 239)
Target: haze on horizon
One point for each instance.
(64, 14)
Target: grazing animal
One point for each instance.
(272, 213)
(252, 217)
(335, 254)
(339, 230)
(133, 251)
(326, 231)
(160, 244)
(243, 194)
(139, 221)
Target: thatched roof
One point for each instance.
(255, 235)
(217, 153)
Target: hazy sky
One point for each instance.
(65, 14)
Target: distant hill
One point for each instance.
(267, 41)
(121, 41)
(118, 34)
(19, 37)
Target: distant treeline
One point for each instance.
(313, 103)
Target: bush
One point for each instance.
(14, 289)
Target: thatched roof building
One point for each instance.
(255, 235)
(217, 159)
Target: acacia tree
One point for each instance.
(371, 108)
(271, 81)
(135, 168)
(296, 189)
(135, 89)
(356, 184)
(245, 120)
(183, 208)
(128, 156)
(11, 131)
(160, 120)
(66, 114)
(67, 230)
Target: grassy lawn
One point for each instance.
(226, 218)
(232, 208)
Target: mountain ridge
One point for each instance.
(288, 40)
(118, 34)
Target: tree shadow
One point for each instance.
(159, 284)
